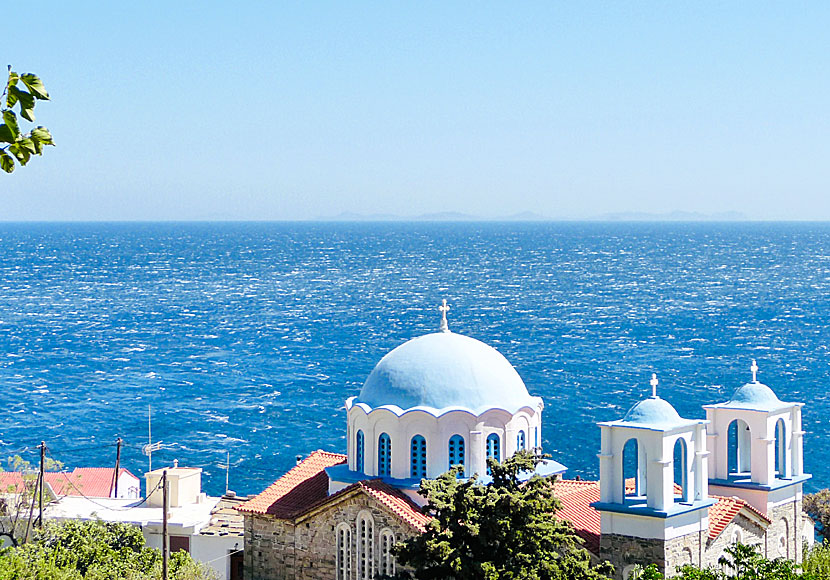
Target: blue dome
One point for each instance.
(755, 396)
(446, 370)
(653, 411)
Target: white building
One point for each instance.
(206, 527)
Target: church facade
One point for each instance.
(672, 491)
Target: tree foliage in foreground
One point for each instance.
(21, 91)
(503, 530)
(817, 506)
(742, 562)
(18, 500)
(74, 550)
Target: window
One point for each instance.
(456, 452)
(344, 553)
(633, 469)
(418, 457)
(536, 437)
(387, 560)
(493, 449)
(359, 446)
(780, 449)
(520, 441)
(179, 543)
(365, 546)
(384, 455)
(680, 468)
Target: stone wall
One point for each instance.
(784, 533)
(626, 551)
(269, 548)
(305, 550)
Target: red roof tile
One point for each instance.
(298, 490)
(86, 481)
(397, 502)
(725, 510)
(576, 498)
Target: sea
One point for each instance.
(243, 340)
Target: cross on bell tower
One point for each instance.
(444, 309)
(654, 382)
(754, 369)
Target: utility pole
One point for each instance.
(150, 435)
(40, 500)
(117, 467)
(227, 473)
(165, 546)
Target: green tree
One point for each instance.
(503, 530)
(93, 550)
(739, 562)
(22, 91)
(18, 498)
(817, 506)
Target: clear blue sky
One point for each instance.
(220, 110)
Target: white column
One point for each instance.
(797, 443)
(608, 489)
(475, 454)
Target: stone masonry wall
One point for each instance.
(784, 533)
(269, 548)
(626, 551)
(280, 550)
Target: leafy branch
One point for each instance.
(15, 144)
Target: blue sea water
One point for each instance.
(248, 338)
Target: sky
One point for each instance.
(306, 110)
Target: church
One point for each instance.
(672, 491)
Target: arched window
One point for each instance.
(632, 469)
(536, 437)
(456, 452)
(780, 449)
(418, 457)
(365, 546)
(359, 449)
(493, 449)
(387, 560)
(343, 569)
(739, 448)
(384, 455)
(520, 441)
(679, 459)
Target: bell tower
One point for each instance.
(653, 484)
(758, 455)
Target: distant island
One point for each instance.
(529, 216)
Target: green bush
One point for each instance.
(75, 550)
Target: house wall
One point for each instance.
(280, 550)
(215, 550)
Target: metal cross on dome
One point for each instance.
(444, 309)
(754, 369)
(654, 382)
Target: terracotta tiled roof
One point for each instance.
(576, 498)
(306, 486)
(397, 502)
(725, 510)
(87, 481)
(12, 481)
(298, 490)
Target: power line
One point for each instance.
(80, 493)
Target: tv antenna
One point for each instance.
(150, 447)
